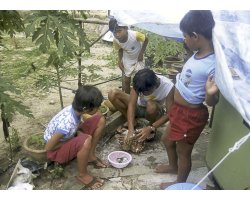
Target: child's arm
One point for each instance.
(144, 45)
(120, 63)
(131, 111)
(141, 38)
(212, 92)
(120, 54)
(54, 142)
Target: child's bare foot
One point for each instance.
(164, 185)
(166, 169)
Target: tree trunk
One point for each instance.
(59, 85)
(80, 63)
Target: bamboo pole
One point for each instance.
(90, 21)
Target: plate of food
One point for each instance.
(103, 109)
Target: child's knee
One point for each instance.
(88, 142)
(112, 94)
(184, 150)
(102, 122)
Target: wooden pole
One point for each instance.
(90, 21)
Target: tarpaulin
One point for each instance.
(231, 41)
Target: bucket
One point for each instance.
(183, 186)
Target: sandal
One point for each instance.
(90, 185)
(96, 163)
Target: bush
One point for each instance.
(36, 141)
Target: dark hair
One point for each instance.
(113, 25)
(87, 97)
(144, 80)
(199, 21)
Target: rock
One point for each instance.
(52, 102)
(115, 179)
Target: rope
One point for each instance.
(230, 150)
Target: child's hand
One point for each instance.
(143, 134)
(212, 96)
(129, 135)
(211, 87)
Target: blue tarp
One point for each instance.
(231, 39)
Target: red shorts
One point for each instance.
(187, 123)
(69, 150)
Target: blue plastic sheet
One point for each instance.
(231, 41)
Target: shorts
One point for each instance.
(68, 151)
(187, 123)
(140, 111)
(131, 70)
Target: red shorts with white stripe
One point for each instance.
(187, 123)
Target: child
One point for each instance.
(194, 85)
(149, 95)
(62, 142)
(131, 46)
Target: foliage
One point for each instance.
(10, 100)
(91, 76)
(36, 141)
(112, 58)
(57, 171)
(10, 22)
(56, 27)
(14, 140)
(58, 34)
(159, 47)
(10, 103)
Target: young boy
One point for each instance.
(131, 46)
(148, 97)
(63, 143)
(194, 85)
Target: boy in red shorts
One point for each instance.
(194, 85)
(66, 139)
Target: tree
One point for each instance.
(59, 35)
(10, 103)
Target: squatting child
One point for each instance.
(67, 137)
(150, 96)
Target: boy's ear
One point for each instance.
(194, 34)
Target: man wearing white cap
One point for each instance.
(131, 46)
